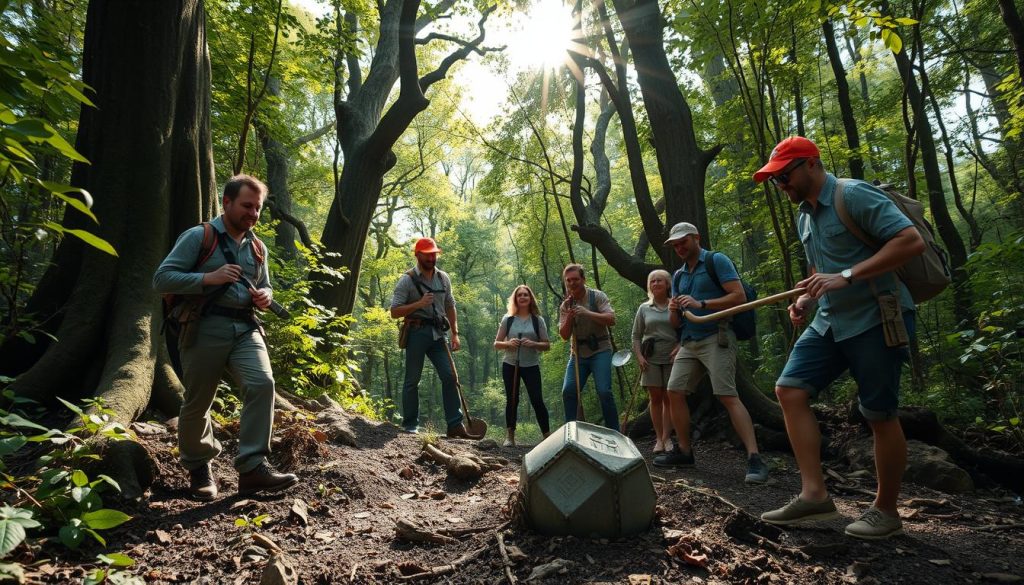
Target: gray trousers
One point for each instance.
(220, 342)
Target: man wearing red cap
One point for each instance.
(423, 297)
(863, 311)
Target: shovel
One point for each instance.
(477, 427)
(619, 359)
(744, 307)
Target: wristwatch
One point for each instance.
(848, 275)
(703, 304)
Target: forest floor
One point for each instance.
(355, 495)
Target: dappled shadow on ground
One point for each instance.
(702, 532)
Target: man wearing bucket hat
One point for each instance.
(423, 298)
(865, 316)
(705, 348)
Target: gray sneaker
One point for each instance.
(757, 470)
(674, 458)
(875, 525)
(799, 510)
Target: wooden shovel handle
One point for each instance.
(744, 307)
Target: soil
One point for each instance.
(702, 532)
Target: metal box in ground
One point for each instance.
(587, 481)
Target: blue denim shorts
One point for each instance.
(816, 362)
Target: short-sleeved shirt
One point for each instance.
(586, 327)
(652, 322)
(831, 248)
(406, 292)
(528, 356)
(700, 286)
(178, 273)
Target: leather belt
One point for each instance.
(415, 321)
(237, 314)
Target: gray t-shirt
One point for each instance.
(528, 356)
(406, 292)
(653, 322)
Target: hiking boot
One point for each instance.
(264, 479)
(798, 510)
(875, 525)
(757, 470)
(201, 484)
(510, 438)
(674, 458)
(458, 431)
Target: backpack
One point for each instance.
(925, 276)
(533, 318)
(745, 323)
(173, 303)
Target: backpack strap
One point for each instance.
(712, 271)
(844, 216)
(591, 300)
(208, 246)
(533, 319)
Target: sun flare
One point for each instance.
(542, 36)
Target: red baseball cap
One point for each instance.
(788, 150)
(426, 246)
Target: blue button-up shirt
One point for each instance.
(700, 286)
(831, 248)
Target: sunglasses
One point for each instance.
(783, 178)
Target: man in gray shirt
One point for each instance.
(423, 298)
(224, 331)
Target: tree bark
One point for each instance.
(366, 136)
(856, 162)
(151, 175)
(1008, 10)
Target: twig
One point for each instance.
(352, 574)
(415, 533)
(504, 558)
(785, 550)
(456, 532)
(444, 569)
(705, 492)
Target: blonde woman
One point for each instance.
(655, 343)
(522, 335)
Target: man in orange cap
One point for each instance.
(861, 303)
(423, 297)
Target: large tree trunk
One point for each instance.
(1008, 10)
(151, 175)
(963, 307)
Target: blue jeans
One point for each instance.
(599, 364)
(422, 344)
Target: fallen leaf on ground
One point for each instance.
(941, 562)
(547, 569)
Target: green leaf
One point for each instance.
(240, 522)
(93, 240)
(896, 43)
(116, 559)
(79, 478)
(96, 536)
(77, 204)
(69, 406)
(15, 420)
(862, 22)
(57, 141)
(9, 445)
(72, 91)
(11, 535)
(71, 535)
(1015, 421)
(31, 128)
(105, 518)
(906, 21)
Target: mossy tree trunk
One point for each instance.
(151, 176)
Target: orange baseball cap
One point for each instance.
(426, 246)
(788, 150)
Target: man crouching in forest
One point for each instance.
(219, 328)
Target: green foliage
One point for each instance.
(56, 494)
(109, 575)
(252, 524)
